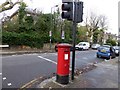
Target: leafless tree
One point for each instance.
(103, 22)
(89, 31)
(103, 26)
(94, 22)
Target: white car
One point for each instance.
(95, 46)
(82, 46)
(117, 49)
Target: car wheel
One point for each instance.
(108, 58)
(117, 54)
(113, 55)
(56, 49)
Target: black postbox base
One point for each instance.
(62, 79)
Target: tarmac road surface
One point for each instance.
(17, 70)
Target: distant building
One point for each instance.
(109, 36)
(14, 15)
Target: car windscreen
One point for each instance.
(81, 44)
(94, 44)
(116, 47)
(105, 48)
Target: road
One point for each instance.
(17, 70)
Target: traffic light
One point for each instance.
(79, 12)
(67, 10)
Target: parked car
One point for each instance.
(95, 46)
(56, 48)
(117, 50)
(82, 46)
(106, 45)
(106, 51)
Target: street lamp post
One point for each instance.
(51, 26)
(50, 33)
(87, 36)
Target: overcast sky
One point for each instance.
(109, 8)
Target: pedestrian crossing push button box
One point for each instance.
(63, 63)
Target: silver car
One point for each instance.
(117, 50)
(95, 46)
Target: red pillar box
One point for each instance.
(63, 63)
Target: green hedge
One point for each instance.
(111, 42)
(31, 39)
(28, 39)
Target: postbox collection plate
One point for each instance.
(66, 56)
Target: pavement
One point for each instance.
(103, 75)
(13, 52)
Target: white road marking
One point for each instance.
(51, 61)
(9, 84)
(0, 73)
(47, 59)
(4, 78)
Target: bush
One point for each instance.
(32, 40)
(112, 42)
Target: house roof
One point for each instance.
(31, 12)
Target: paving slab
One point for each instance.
(105, 75)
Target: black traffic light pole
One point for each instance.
(73, 11)
(74, 40)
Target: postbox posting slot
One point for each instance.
(66, 50)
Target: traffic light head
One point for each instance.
(79, 12)
(67, 10)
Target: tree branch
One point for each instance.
(11, 5)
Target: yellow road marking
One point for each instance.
(29, 84)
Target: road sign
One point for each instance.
(50, 33)
(63, 34)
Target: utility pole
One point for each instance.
(50, 32)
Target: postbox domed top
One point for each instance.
(64, 45)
